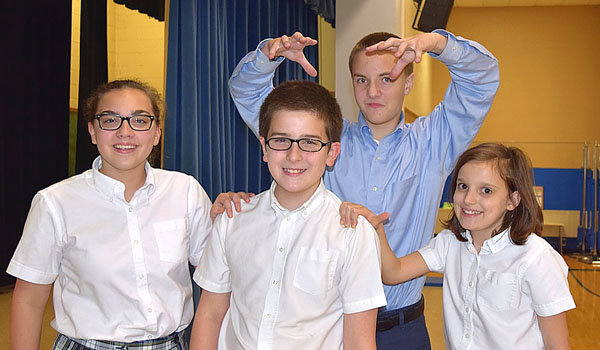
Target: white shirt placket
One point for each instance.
(139, 265)
(271, 311)
(469, 297)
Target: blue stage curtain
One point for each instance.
(203, 135)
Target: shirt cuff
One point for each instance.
(211, 286)
(555, 307)
(365, 304)
(430, 258)
(30, 275)
(262, 63)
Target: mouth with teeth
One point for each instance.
(125, 147)
(471, 212)
(293, 172)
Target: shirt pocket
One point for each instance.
(315, 270)
(172, 239)
(498, 291)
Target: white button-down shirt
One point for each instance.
(120, 270)
(292, 274)
(491, 299)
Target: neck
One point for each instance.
(382, 130)
(293, 201)
(478, 239)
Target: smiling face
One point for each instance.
(379, 98)
(481, 199)
(297, 173)
(124, 151)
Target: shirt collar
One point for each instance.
(366, 129)
(114, 189)
(494, 244)
(312, 204)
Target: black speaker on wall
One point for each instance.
(432, 14)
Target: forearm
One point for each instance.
(390, 264)
(250, 83)
(26, 315)
(359, 330)
(207, 322)
(467, 100)
(555, 331)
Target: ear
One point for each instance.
(92, 132)
(157, 135)
(264, 148)
(513, 200)
(333, 153)
(408, 85)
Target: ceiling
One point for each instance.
(505, 3)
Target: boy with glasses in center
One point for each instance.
(283, 273)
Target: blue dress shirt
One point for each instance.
(403, 174)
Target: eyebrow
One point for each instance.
(137, 111)
(356, 75)
(303, 136)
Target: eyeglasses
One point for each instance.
(306, 145)
(113, 121)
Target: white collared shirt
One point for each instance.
(292, 274)
(120, 270)
(491, 299)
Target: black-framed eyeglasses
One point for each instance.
(113, 121)
(305, 144)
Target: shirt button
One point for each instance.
(304, 213)
(288, 218)
(275, 282)
(378, 158)
(467, 309)
(374, 188)
(281, 249)
(467, 336)
(136, 242)
(141, 276)
(150, 309)
(269, 315)
(470, 283)
(130, 209)
(149, 337)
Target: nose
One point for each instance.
(295, 153)
(373, 89)
(470, 197)
(125, 130)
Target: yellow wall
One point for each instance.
(75, 30)
(136, 47)
(548, 100)
(326, 55)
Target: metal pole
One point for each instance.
(583, 224)
(595, 248)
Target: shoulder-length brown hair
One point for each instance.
(514, 167)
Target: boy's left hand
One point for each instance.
(349, 213)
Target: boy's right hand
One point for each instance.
(223, 203)
(291, 47)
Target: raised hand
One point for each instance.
(292, 48)
(410, 49)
